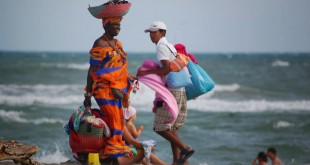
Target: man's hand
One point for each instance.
(141, 73)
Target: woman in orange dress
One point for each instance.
(109, 82)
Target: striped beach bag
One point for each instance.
(91, 135)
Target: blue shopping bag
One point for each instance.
(179, 79)
(201, 81)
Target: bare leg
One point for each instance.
(175, 150)
(176, 144)
(134, 159)
(172, 138)
(156, 160)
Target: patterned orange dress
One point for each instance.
(112, 73)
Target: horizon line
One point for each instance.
(146, 52)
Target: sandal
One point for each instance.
(185, 154)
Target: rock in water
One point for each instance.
(18, 152)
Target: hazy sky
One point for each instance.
(202, 25)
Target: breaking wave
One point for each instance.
(18, 117)
(83, 66)
(279, 63)
(21, 95)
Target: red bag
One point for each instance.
(89, 138)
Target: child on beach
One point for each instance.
(130, 116)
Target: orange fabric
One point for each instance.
(112, 73)
(105, 21)
(178, 63)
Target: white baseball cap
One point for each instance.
(156, 26)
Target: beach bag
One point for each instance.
(88, 138)
(201, 81)
(179, 79)
(91, 133)
(179, 62)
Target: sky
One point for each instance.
(202, 25)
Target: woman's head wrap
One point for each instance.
(105, 21)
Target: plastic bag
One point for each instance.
(201, 81)
(179, 79)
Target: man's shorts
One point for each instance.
(162, 115)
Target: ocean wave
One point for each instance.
(83, 66)
(282, 124)
(144, 100)
(16, 116)
(49, 157)
(226, 88)
(280, 63)
(21, 95)
(26, 100)
(216, 105)
(17, 95)
(146, 93)
(14, 89)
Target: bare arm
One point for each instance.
(135, 132)
(254, 161)
(89, 79)
(277, 161)
(128, 138)
(89, 84)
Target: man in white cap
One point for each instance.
(165, 53)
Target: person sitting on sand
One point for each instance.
(261, 159)
(130, 116)
(138, 158)
(271, 153)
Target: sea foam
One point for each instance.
(216, 105)
(282, 124)
(56, 156)
(66, 94)
(82, 66)
(20, 95)
(18, 117)
(280, 63)
(206, 103)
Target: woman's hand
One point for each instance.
(87, 101)
(132, 78)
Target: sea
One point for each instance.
(260, 100)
